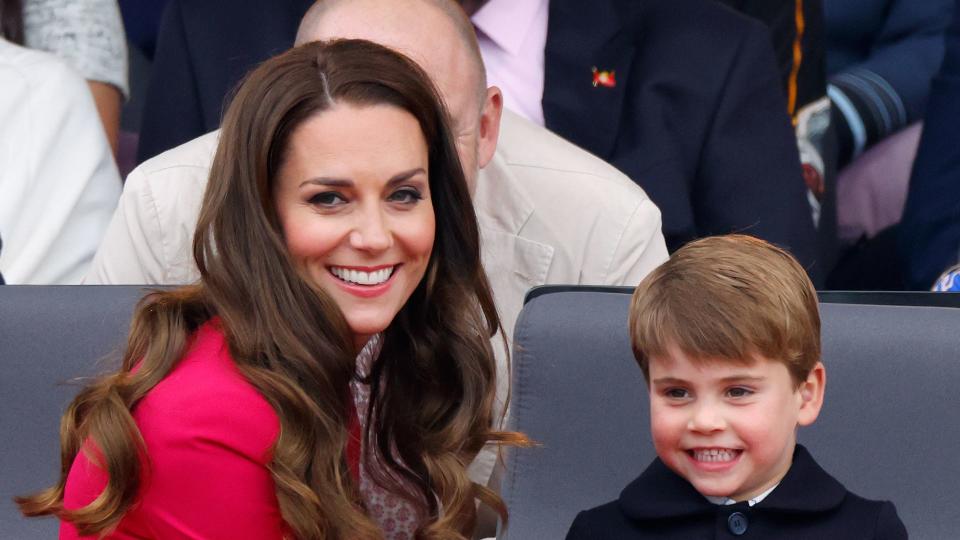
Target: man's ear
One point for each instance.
(489, 126)
(811, 395)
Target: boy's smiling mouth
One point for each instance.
(714, 455)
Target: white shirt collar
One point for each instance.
(725, 501)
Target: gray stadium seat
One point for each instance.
(48, 336)
(888, 429)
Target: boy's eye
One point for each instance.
(406, 195)
(676, 393)
(327, 198)
(738, 392)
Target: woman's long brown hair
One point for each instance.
(433, 385)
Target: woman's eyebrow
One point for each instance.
(405, 175)
(325, 181)
(346, 182)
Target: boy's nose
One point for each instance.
(706, 419)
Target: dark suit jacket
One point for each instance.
(697, 117)
(203, 48)
(930, 227)
(810, 80)
(808, 504)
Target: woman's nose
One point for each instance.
(371, 232)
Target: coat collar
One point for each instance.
(660, 493)
(573, 107)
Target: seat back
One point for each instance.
(49, 335)
(887, 429)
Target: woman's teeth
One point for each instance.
(362, 278)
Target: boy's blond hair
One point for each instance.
(728, 298)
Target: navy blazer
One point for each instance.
(203, 49)
(930, 227)
(808, 504)
(697, 116)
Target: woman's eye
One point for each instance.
(327, 198)
(406, 196)
(738, 392)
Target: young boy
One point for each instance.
(727, 334)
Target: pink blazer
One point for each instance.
(208, 435)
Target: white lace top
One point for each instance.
(396, 516)
(86, 34)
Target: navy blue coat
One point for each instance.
(697, 118)
(808, 503)
(930, 227)
(203, 49)
(881, 55)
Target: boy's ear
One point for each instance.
(811, 395)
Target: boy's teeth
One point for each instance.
(714, 455)
(362, 278)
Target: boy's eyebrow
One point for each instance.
(669, 380)
(732, 378)
(744, 377)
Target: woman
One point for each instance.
(337, 220)
(88, 36)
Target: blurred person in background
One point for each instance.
(88, 36)
(929, 233)
(684, 97)
(202, 50)
(58, 181)
(881, 56)
(797, 28)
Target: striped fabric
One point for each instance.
(869, 106)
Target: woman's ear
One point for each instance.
(811, 395)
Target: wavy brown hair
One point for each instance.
(433, 384)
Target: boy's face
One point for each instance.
(729, 429)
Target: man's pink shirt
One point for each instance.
(512, 36)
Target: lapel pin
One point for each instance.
(607, 79)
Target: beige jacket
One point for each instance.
(549, 213)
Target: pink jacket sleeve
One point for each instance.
(208, 435)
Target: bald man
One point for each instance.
(549, 213)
